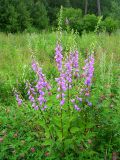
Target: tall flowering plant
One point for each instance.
(64, 114)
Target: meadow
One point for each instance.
(21, 130)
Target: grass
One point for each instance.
(20, 130)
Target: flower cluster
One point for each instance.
(18, 99)
(89, 70)
(76, 63)
(41, 86)
(61, 80)
(58, 57)
(73, 101)
(61, 88)
(65, 68)
(31, 94)
(68, 69)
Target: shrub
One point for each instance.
(90, 22)
(110, 25)
(72, 17)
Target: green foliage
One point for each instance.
(110, 25)
(24, 20)
(39, 11)
(115, 10)
(90, 22)
(8, 18)
(72, 17)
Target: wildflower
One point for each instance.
(61, 88)
(73, 100)
(34, 66)
(58, 57)
(41, 86)
(88, 70)
(79, 99)
(68, 71)
(36, 107)
(76, 107)
(47, 154)
(32, 149)
(31, 94)
(89, 104)
(87, 93)
(18, 99)
(44, 108)
(76, 64)
(62, 102)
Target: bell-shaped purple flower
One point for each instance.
(58, 57)
(89, 70)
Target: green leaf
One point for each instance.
(74, 129)
(56, 121)
(59, 134)
(48, 142)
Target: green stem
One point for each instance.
(68, 100)
(61, 120)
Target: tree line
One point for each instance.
(21, 15)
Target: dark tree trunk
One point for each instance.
(86, 6)
(99, 7)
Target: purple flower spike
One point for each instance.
(87, 94)
(76, 107)
(31, 94)
(89, 104)
(44, 108)
(79, 99)
(34, 66)
(62, 102)
(73, 100)
(88, 70)
(76, 63)
(68, 71)
(36, 107)
(58, 57)
(18, 99)
(19, 102)
(61, 88)
(41, 86)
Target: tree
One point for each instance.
(99, 7)
(39, 15)
(115, 10)
(8, 17)
(67, 3)
(86, 6)
(24, 20)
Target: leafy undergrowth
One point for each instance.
(22, 136)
